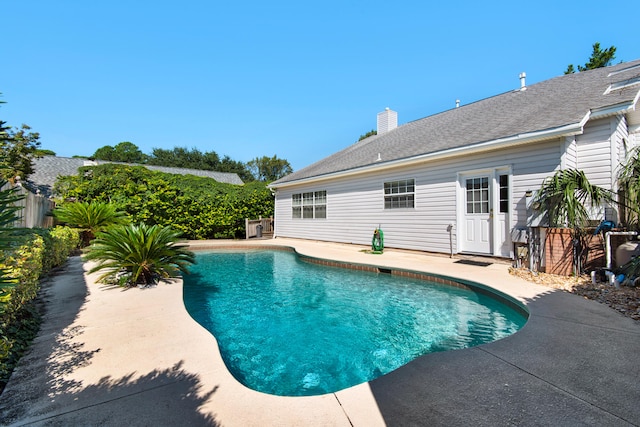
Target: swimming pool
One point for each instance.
(294, 328)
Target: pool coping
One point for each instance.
(108, 356)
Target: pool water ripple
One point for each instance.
(288, 327)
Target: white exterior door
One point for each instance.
(478, 213)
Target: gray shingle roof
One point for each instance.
(543, 107)
(48, 168)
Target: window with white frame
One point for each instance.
(296, 206)
(478, 195)
(320, 204)
(399, 194)
(309, 205)
(504, 193)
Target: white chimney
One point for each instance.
(387, 121)
(523, 84)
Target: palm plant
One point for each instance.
(566, 198)
(132, 254)
(629, 186)
(90, 218)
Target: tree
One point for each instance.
(18, 148)
(90, 218)
(566, 198)
(193, 158)
(180, 157)
(599, 58)
(43, 152)
(229, 165)
(125, 152)
(267, 169)
(138, 254)
(368, 134)
(629, 188)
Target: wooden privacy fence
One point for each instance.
(36, 209)
(262, 227)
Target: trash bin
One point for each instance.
(259, 230)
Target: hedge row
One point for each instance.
(198, 207)
(35, 253)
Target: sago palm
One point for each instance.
(130, 255)
(90, 218)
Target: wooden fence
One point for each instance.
(36, 209)
(252, 225)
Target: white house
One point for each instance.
(456, 182)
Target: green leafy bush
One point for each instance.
(129, 255)
(198, 207)
(32, 254)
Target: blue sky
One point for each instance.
(300, 80)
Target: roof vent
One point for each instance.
(387, 121)
(457, 103)
(523, 84)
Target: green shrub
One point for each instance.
(65, 242)
(129, 255)
(198, 207)
(25, 264)
(32, 254)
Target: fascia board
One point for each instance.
(612, 110)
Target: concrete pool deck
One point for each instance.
(108, 356)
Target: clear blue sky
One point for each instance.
(297, 79)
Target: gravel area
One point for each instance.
(625, 299)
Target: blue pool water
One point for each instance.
(291, 328)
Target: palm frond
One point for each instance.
(567, 197)
(142, 253)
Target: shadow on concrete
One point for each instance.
(39, 394)
(575, 362)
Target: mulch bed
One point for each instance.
(625, 299)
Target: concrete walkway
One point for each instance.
(116, 357)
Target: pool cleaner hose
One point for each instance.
(377, 243)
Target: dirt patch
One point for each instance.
(625, 299)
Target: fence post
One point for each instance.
(246, 228)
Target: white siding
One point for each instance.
(622, 145)
(355, 205)
(594, 151)
(634, 138)
(570, 155)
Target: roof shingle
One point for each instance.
(545, 106)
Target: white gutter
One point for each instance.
(567, 130)
(613, 110)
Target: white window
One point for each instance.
(504, 193)
(399, 194)
(309, 205)
(296, 204)
(478, 195)
(320, 204)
